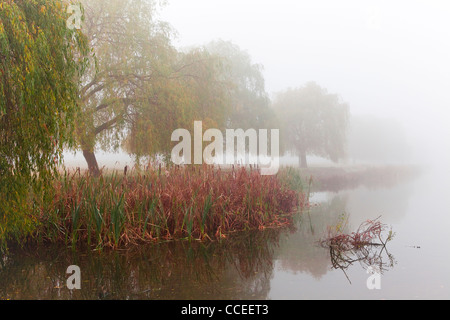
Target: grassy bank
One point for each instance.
(202, 202)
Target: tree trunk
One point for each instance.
(302, 160)
(92, 162)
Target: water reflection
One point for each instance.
(299, 251)
(237, 269)
(372, 258)
(302, 252)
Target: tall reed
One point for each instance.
(200, 202)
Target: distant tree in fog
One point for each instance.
(313, 122)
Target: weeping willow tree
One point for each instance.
(141, 88)
(40, 62)
(250, 103)
(132, 52)
(314, 122)
(193, 90)
(217, 84)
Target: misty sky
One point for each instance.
(387, 58)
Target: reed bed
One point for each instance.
(195, 203)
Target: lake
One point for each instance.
(271, 264)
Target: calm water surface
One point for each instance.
(273, 264)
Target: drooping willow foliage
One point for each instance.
(41, 60)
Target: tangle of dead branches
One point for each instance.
(366, 246)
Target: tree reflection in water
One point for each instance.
(238, 268)
(298, 251)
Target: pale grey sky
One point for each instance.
(388, 58)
